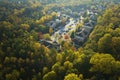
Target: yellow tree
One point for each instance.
(68, 65)
(59, 57)
(47, 36)
(104, 63)
(50, 76)
(25, 26)
(50, 30)
(56, 67)
(72, 76)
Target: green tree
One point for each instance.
(45, 70)
(104, 44)
(13, 76)
(116, 46)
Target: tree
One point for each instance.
(40, 35)
(72, 35)
(72, 76)
(116, 46)
(25, 26)
(47, 36)
(36, 45)
(50, 30)
(59, 57)
(50, 76)
(66, 45)
(66, 36)
(13, 76)
(68, 65)
(56, 67)
(104, 44)
(104, 63)
(45, 70)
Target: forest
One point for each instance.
(24, 24)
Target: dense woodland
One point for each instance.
(22, 57)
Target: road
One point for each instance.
(71, 26)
